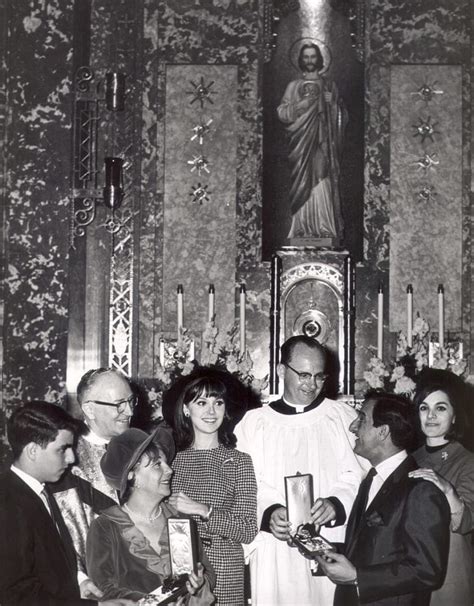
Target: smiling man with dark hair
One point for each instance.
(397, 539)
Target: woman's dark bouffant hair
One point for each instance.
(433, 379)
(210, 382)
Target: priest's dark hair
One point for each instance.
(38, 422)
(289, 345)
(436, 379)
(398, 413)
(205, 381)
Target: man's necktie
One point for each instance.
(360, 505)
(61, 527)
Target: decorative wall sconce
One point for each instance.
(113, 191)
(89, 98)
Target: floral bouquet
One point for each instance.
(219, 349)
(399, 375)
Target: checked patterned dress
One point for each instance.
(224, 478)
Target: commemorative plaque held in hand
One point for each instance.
(182, 538)
(299, 499)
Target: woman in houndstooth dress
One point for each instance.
(214, 482)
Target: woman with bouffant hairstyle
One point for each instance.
(214, 482)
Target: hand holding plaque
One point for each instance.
(299, 500)
(182, 537)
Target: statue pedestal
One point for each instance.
(314, 242)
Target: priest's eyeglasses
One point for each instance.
(121, 405)
(306, 377)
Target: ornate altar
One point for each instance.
(312, 293)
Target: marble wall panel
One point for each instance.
(217, 31)
(427, 32)
(426, 192)
(199, 238)
(38, 169)
(151, 201)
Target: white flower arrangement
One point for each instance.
(219, 349)
(399, 376)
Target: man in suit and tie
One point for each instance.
(37, 557)
(397, 537)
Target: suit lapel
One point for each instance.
(389, 487)
(44, 520)
(387, 492)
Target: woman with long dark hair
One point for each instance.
(440, 401)
(214, 482)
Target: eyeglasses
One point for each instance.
(121, 405)
(306, 377)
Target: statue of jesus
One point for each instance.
(315, 117)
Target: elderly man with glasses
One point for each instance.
(108, 402)
(303, 432)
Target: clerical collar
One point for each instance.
(287, 408)
(297, 407)
(93, 438)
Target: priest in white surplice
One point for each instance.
(307, 433)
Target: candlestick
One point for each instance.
(410, 315)
(115, 91)
(242, 318)
(180, 308)
(162, 353)
(430, 353)
(441, 316)
(211, 305)
(380, 322)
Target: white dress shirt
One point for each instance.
(35, 485)
(384, 469)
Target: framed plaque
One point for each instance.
(182, 538)
(299, 499)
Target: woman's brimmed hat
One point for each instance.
(124, 451)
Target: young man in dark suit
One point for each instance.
(37, 558)
(397, 537)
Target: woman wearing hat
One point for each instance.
(440, 401)
(214, 482)
(127, 546)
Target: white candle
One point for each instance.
(441, 316)
(242, 319)
(162, 353)
(380, 322)
(410, 315)
(212, 303)
(430, 353)
(191, 350)
(460, 350)
(180, 309)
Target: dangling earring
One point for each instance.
(186, 412)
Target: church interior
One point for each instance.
(145, 191)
